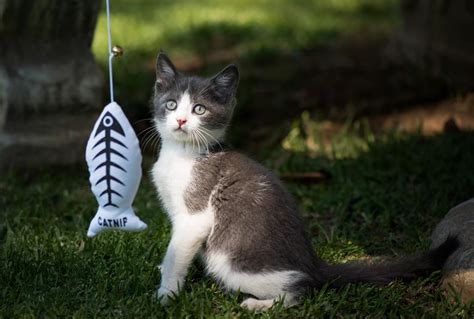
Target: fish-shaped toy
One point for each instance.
(114, 159)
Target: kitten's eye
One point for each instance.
(171, 105)
(199, 109)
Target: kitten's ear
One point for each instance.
(228, 78)
(225, 83)
(165, 71)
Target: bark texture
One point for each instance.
(437, 36)
(49, 80)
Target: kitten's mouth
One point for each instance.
(180, 129)
(180, 133)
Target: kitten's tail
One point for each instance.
(405, 269)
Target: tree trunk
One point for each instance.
(437, 35)
(50, 84)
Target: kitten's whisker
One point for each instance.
(199, 144)
(207, 144)
(145, 143)
(204, 139)
(150, 138)
(204, 136)
(192, 139)
(205, 131)
(199, 139)
(146, 136)
(204, 142)
(146, 130)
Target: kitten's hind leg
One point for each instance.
(256, 305)
(265, 304)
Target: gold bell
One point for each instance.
(117, 50)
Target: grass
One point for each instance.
(386, 194)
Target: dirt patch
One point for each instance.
(448, 115)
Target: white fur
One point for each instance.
(265, 285)
(172, 174)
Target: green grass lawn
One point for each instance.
(385, 196)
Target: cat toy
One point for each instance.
(114, 159)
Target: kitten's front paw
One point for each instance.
(164, 294)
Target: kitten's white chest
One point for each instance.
(172, 174)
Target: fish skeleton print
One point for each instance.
(114, 160)
(108, 124)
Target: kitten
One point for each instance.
(235, 212)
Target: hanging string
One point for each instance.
(111, 54)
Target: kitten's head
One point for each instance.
(192, 109)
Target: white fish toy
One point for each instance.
(114, 160)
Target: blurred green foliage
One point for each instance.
(233, 29)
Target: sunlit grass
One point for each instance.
(307, 135)
(188, 27)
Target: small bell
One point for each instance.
(117, 50)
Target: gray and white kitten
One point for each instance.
(234, 212)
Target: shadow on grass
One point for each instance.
(391, 195)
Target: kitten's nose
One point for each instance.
(181, 122)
